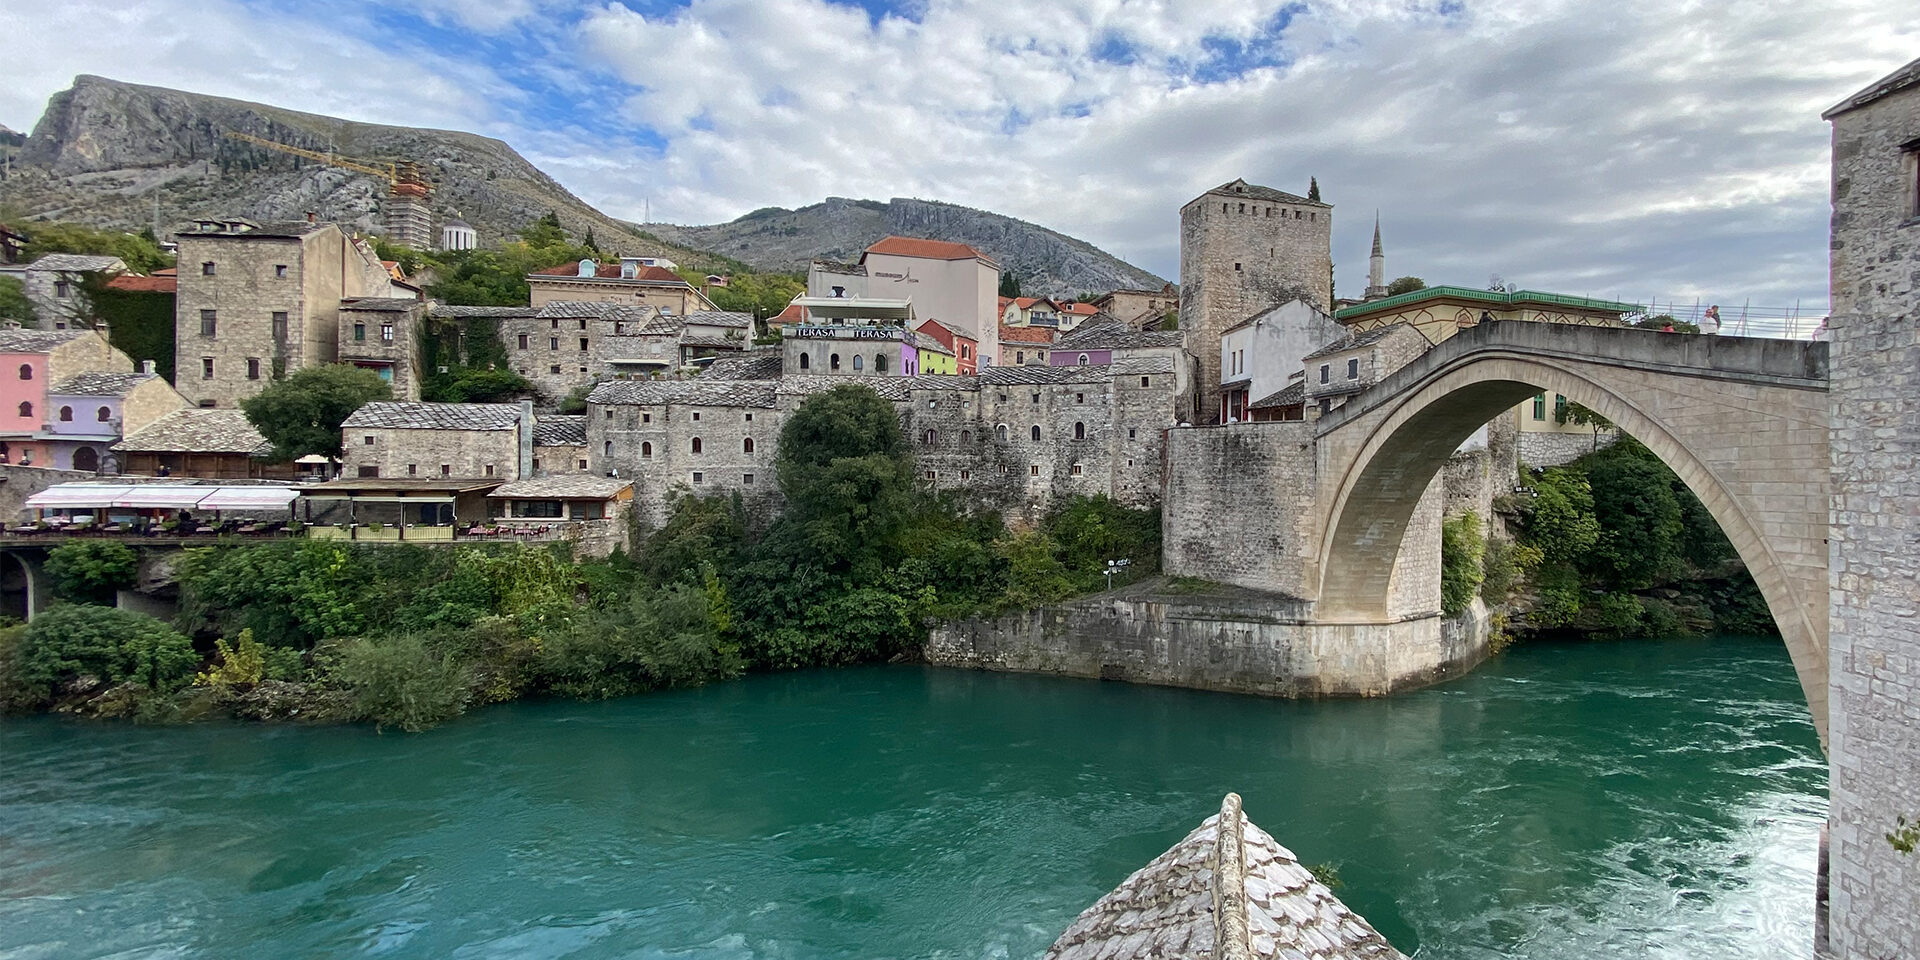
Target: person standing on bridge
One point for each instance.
(1710, 322)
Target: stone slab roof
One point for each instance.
(1036, 374)
(35, 341)
(708, 340)
(447, 310)
(889, 388)
(1363, 338)
(382, 304)
(755, 365)
(1225, 892)
(409, 415)
(194, 430)
(101, 384)
(75, 263)
(573, 487)
(1894, 82)
(1253, 191)
(721, 318)
(1112, 335)
(921, 341)
(600, 310)
(560, 430)
(270, 230)
(701, 392)
(1293, 394)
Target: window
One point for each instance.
(583, 323)
(966, 436)
(206, 368)
(965, 352)
(386, 333)
(1036, 398)
(696, 444)
(1036, 433)
(1353, 368)
(646, 451)
(930, 438)
(746, 478)
(859, 362)
(253, 368)
(208, 404)
(749, 418)
(60, 289)
(583, 342)
(413, 469)
(1539, 406)
(206, 269)
(1000, 433)
(489, 470)
(1079, 430)
(103, 414)
(1243, 208)
(931, 476)
(1033, 469)
(609, 413)
(1076, 470)
(1079, 398)
(803, 361)
(359, 332)
(699, 477)
(367, 440)
(1324, 368)
(1131, 433)
(1236, 268)
(66, 414)
(879, 363)
(746, 446)
(446, 469)
(646, 418)
(583, 463)
(1326, 405)
(280, 271)
(1146, 381)
(369, 470)
(1019, 356)
(553, 343)
(696, 415)
(555, 323)
(208, 323)
(1559, 408)
(966, 475)
(1083, 359)
(523, 341)
(279, 325)
(26, 371)
(833, 362)
(606, 449)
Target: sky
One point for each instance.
(1646, 151)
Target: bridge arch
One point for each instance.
(1745, 431)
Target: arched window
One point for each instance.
(1079, 430)
(696, 444)
(103, 414)
(1036, 432)
(966, 436)
(26, 408)
(1083, 359)
(833, 362)
(859, 362)
(66, 414)
(932, 437)
(86, 458)
(879, 363)
(26, 371)
(1000, 433)
(646, 451)
(608, 449)
(746, 446)
(803, 361)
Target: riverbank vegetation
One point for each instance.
(853, 569)
(1615, 545)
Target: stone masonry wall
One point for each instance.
(1238, 505)
(402, 453)
(1215, 638)
(1874, 536)
(1555, 449)
(245, 291)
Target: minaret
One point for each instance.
(1376, 265)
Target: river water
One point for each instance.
(1590, 800)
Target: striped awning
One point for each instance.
(266, 499)
(162, 496)
(80, 496)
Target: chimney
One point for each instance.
(526, 440)
(311, 216)
(146, 367)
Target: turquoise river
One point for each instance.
(1591, 800)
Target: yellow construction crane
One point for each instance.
(403, 177)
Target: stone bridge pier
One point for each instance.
(25, 591)
(1344, 512)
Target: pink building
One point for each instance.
(30, 362)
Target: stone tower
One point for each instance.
(1376, 265)
(1244, 248)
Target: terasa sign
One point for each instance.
(845, 333)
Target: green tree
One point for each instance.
(1313, 189)
(1661, 321)
(1560, 520)
(139, 252)
(1462, 566)
(844, 468)
(588, 242)
(545, 232)
(301, 415)
(401, 681)
(118, 646)
(1639, 544)
(14, 304)
(467, 385)
(90, 571)
(1009, 285)
(1405, 285)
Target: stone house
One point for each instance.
(1243, 249)
(52, 283)
(1139, 309)
(565, 344)
(633, 282)
(1072, 315)
(202, 443)
(1357, 361)
(32, 362)
(1020, 346)
(382, 334)
(258, 301)
(1874, 402)
(391, 439)
(89, 413)
(559, 444)
(698, 436)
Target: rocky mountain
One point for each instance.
(105, 150)
(1046, 261)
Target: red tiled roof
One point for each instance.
(1003, 303)
(165, 272)
(945, 334)
(794, 313)
(1079, 309)
(611, 271)
(1025, 334)
(926, 249)
(138, 284)
(1026, 303)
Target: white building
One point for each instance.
(1261, 355)
(458, 235)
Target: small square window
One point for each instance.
(367, 440)
(696, 415)
(489, 469)
(1076, 470)
(413, 469)
(1033, 469)
(1036, 398)
(646, 418)
(966, 475)
(699, 477)
(554, 368)
(746, 478)
(931, 475)
(749, 418)
(446, 469)
(1132, 433)
(280, 271)
(583, 464)
(206, 269)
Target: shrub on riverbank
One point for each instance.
(90, 645)
(1624, 549)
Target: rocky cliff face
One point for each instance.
(1047, 262)
(104, 150)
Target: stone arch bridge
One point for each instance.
(1343, 512)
